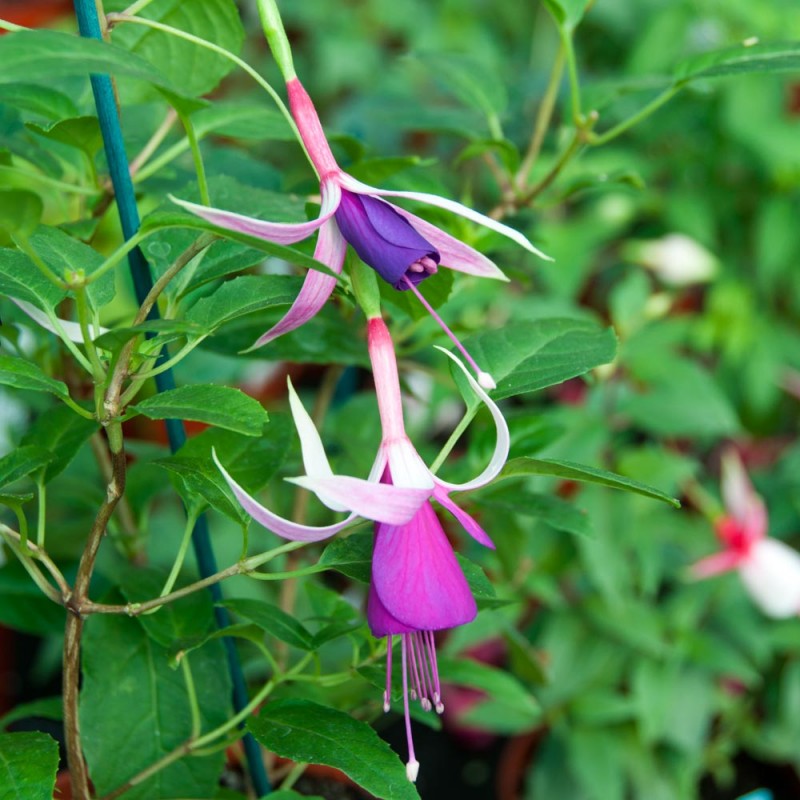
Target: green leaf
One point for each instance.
(134, 710)
(23, 374)
(80, 132)
(28, 764)
(480, 586)
(20, 210)
(22, 279)
(167, 328)
(40, 100)
(46, 708)
(351, 555)
(554, 511)
(222, 406)
(22, 461)
(527, 356)
(241, 296)
(195, 69)
(766, 57)
(509, 707)
(306, 731)
(61, 431)
(580, 472)
(288, 794)
(435, 292)
(33, 56)
(243, 120)
(273, 620)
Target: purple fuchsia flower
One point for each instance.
(769, 569)
(417, 585)
(402, 248)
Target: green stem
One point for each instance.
(37, 177)
(469, 415)
(574, 82)
(82, 307)
(197, 157)
(41, 506)
(665, 96)
(191, 518)
(116, 257)
(136, 7)
(191, 695)
(170, 154)
(5, 25)
(276, 37)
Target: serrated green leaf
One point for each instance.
(241, 296)
(21, 278)
(579, 472)
(760, 57)
(28, 764)
(22, 374)
(20, 211)
(273, 620)
(127, 677)
(221, 406)
(306, 731)
(527, 356)
(167, 328)
(80, 132)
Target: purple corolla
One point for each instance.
(400, 246)
(417, 584)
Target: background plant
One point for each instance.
(555, 120)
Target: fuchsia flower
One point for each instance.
(417, 584)
(769, 569)
(401, 247)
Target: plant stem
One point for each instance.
(24, 244)
(469, 415)
(191, 518)
(82, 307)
(75, 618)
(197, 157)
(40, 555)
(646, 111)
(154, 141)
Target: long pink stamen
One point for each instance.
(417, 692)
(387, 695)
(484, 378)
(425, 685)
(437, 689)
(412, 767)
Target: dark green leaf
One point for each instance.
(24, 607)
(22, 461)
(273, 620)
(256, 121)
(80, 132)
(241, 296)
(21, 278)
(22, 374)
(61, 431)
(45, 708)
(28, 764)
(557, 513)
(526, 356)
(579, 472)
(135, 709)
(350, 555)
(306, 731)
(222, 406)
(114, 339)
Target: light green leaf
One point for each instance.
(251, 121)
(567, 13)
(306, 731)
(526, 356)
(46, 708)
(557, 513)
(81, 132)
(195, 69)
(33, 56)
(579, 472)
(22, 374)
(40, 100)
(20, 211)
(222, 406)
(766, 57)
(134, 710)
(22, 279)
(28, 764)
(273, 620)
(61, 431)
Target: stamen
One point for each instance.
(418, 653)
(437, 689)
(484, 378)
(429, 265)
(424, 668)
(417, 266)
(412, 767)
(418, 690)
(387, 695)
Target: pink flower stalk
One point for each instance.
(769, 569)
(400, 246)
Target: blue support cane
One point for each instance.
(89, 26)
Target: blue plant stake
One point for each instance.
(89, 26)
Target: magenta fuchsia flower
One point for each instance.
(400, 246)
(769, 569)
(417, 585)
